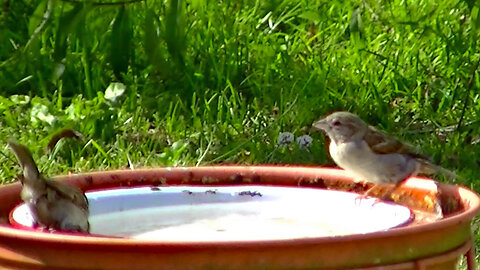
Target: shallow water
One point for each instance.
(236, 213)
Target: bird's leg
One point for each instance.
(365, 195)
(368, 191)
(388, 195)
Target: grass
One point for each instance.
(215, 82)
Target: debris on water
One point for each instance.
(187, 191)
(155, 189)
(211, 191)
(250, 193)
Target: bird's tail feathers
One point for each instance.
(429, 168)
(26, 161)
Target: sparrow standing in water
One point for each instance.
(370, 154)
(54, 205)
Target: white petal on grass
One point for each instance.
(285, 138)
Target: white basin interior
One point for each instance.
(233, 213)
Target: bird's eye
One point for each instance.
(336, 123)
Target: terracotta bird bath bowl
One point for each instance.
(239, 217)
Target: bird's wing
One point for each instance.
(69, 192)
(381, 143)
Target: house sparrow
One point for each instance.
(370, 154)
(63, 133)
(53, 204)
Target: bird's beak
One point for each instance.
(321, 125)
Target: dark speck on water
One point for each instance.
(250, 193)
(187, 191)
(211, 191)
(154, 188)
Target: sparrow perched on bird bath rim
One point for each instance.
(371, 155)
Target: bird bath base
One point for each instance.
(233, 217)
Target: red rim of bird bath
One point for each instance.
(425, 241)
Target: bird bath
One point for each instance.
(236, 217)
(233, 213)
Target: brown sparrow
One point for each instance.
(54, 205)
(370, 154)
